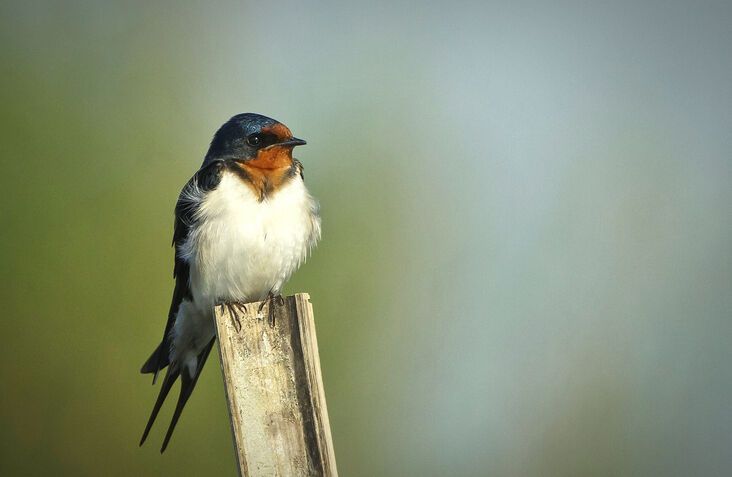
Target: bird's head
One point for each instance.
(255, 141)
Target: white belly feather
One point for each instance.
(241, 249)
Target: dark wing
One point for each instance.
(206, 179)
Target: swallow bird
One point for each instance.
(243, 224)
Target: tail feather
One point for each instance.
(188, 383)
(186, 388)
(158, 360)
(170, 377)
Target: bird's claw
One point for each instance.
(271, 311)
(234, 309)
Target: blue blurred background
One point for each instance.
(526, 266)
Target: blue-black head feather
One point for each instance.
(240, 137)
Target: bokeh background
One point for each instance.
(526, 267)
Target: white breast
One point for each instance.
(241, 248)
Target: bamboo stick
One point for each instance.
(274, 389)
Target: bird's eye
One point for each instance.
(254, 139)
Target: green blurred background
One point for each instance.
(526, 266)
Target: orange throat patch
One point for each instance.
(268, 171)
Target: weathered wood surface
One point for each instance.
(275, 390)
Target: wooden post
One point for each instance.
(275, 390)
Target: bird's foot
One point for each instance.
(234, 309)
(270, 302)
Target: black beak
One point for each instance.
(292, 142)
